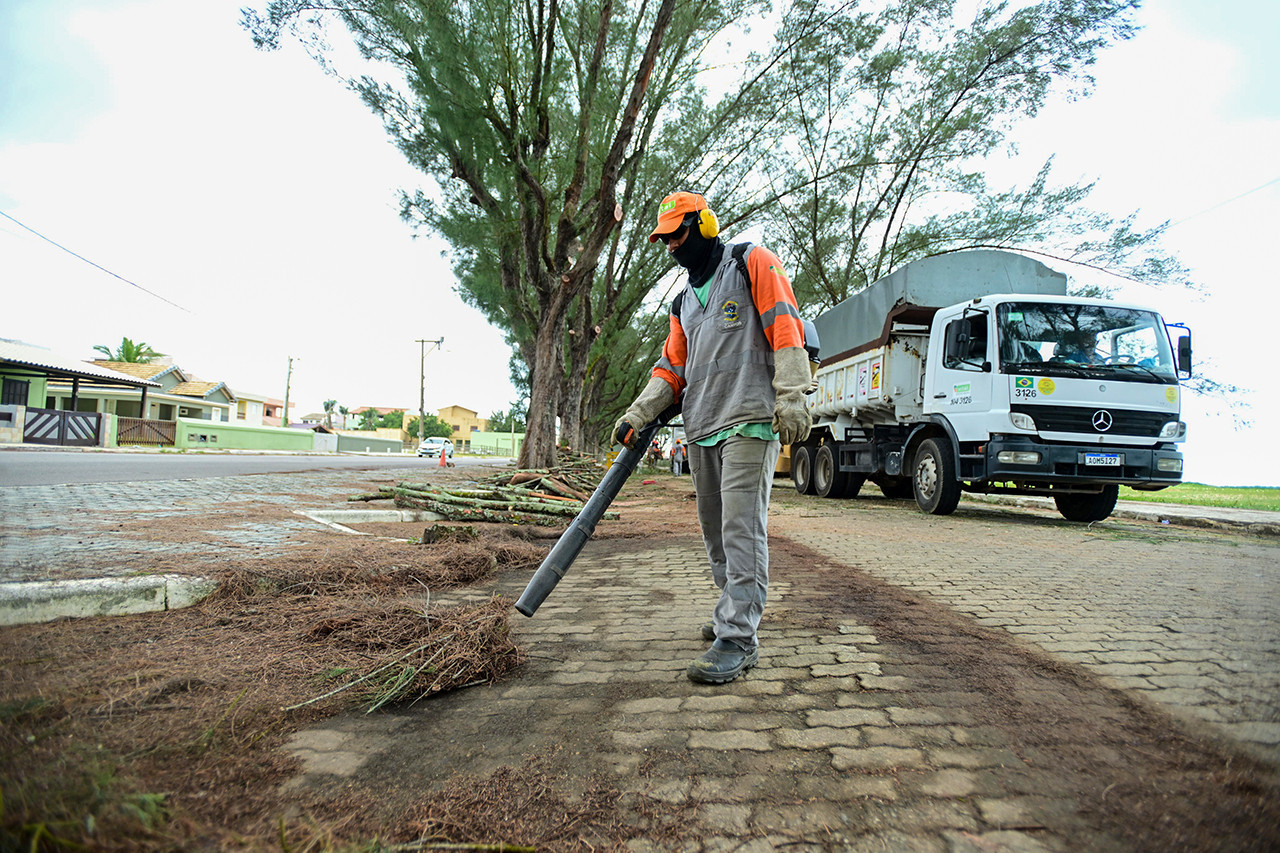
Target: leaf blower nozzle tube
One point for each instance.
(566, 549)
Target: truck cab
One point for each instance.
(1064, 396)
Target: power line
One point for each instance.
(91, 263)
(1224, 203)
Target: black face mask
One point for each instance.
(696, 255)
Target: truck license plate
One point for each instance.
(1112, 459)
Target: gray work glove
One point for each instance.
(791, 380)
(655, 397)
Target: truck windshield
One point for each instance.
(1070, 339)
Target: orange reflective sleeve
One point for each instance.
(675, 352)
(775, 300)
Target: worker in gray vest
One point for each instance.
(735, 351)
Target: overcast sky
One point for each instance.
(259, 198)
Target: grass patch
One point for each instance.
(1198, 494)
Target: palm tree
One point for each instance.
(128, 351)
(344, 411)
(329, 406)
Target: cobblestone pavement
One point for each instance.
(992, 680)
(94, 530)
(846, 739)
(1187, 620)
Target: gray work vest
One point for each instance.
(729, 368)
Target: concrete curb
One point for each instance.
(335, 518)
(29, 602)
(32, 602)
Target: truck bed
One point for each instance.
(914, 292)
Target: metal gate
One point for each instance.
(66, 429)
(148, 433)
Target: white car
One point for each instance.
(431, 447)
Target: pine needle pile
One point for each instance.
(395, 653)
(196, 703)
(519, 809)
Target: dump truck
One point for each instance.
(974, 371)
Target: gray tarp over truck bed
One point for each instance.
(914, 292)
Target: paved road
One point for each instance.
(907, 698)
(52, 467)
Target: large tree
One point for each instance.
(894, 117)
(856, 135)
(529, 113)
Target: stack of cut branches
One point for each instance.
(577, 480)
(539, 496)
(510, 504)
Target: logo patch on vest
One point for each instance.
(729, 316)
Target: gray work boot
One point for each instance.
(721, 663)
(709, 631)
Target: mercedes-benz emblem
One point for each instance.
(1102, 420)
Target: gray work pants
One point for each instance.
(733, 480)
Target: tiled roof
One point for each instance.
(140, 370)
(195, 389)
(29, 355)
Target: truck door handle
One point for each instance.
(939, 396)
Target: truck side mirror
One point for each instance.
(1184, 355)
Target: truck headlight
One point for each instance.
(1171, 465)
(1022, 421)
(1175, 430)
(1019, 457)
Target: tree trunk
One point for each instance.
(582, 336)
(539, 450)
(590, 410)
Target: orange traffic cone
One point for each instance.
(444, 462)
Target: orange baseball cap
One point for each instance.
(672, 211)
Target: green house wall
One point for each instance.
(195, 434)
(36, 389)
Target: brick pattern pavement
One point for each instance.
(830, 743)
(1187, 620)
(70, 531)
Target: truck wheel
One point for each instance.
(828, 480)
(900, 488)
(802, 468)
(1088, 507)
(936, 488)
(853, 485)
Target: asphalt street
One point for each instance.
(60, 467)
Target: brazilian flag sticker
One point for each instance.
(1022, 382)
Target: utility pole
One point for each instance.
(422, 386)
(284, 418)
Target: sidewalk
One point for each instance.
(882, 716)
(996, 680)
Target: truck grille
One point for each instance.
(1083, 418)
